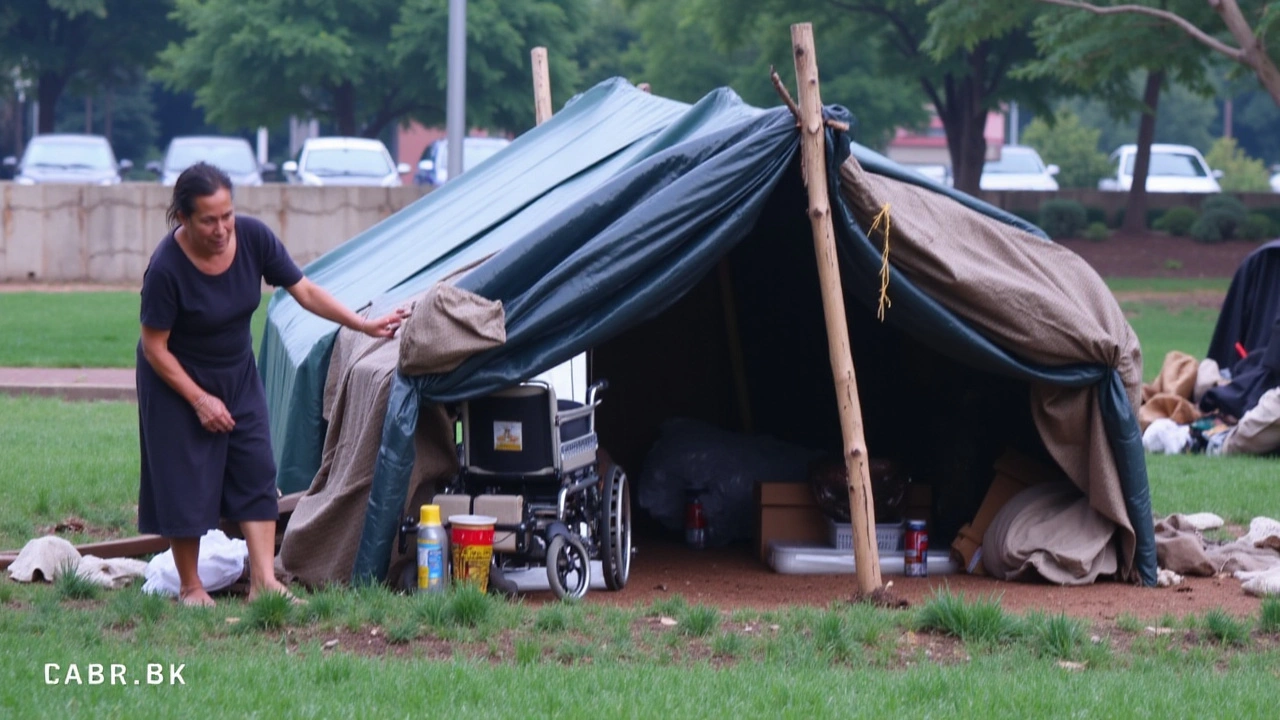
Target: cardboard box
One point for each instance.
(1015, 472)
(787, 512)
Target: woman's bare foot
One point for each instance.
(196, 597)
(274, 586)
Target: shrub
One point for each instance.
(1097, 232)
(1153, 214)
(1062, 218)
(1177, 221)
(1240, 173)
(1031, 216)
(1208, 229)
(1221, 217)
(1256, 227)
(1095, 215)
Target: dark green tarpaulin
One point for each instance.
(602, 218)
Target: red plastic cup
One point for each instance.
(471, 540)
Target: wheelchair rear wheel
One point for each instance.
(568, 567)
(615, 521)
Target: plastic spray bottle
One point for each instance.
(433, 551)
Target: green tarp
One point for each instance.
(598, 220)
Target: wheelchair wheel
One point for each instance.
(568, 567)
(615, 523)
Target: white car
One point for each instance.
(1174, 168)
(232, 155)
(1019, 168)
(344, 161)
(67, 158)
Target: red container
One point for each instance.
(695, 524)
(915, 557)
(471, 539)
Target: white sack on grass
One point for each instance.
(1164, 436)
(221, 564)
(44, 558)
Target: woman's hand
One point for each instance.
(384, 326)
(213, 414)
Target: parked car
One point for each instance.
(936, 172)
(344, 161)
(433, 168)
(67, 158)
(1174, 168)
(1019, 168)
(1275, 182)
(232, 155)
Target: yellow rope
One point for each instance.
(883, 216)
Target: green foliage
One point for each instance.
(71, 586)
(1097, 232)
(1071, 146)
(1176, 221)
(1153, 214)
(267, 611)
(1095, 215)
(1056, 636)
(699, 621)
(983, 620)
(364, 66)
(468, 606)
(1062, 218)
(1221, 215)
(1240, 173)
(1269, 616)
(1257, 226)
(1226, 629)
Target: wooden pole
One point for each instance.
(866, 557)
(541, 86)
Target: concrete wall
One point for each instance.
(90, 234)
(74, 233)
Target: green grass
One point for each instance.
(1237, 488)
(77, 329)
(1167, 285)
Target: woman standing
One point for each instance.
(202, 413)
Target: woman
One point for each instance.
(202, 413)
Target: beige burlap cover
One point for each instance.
(1038, 301)
(320, 543)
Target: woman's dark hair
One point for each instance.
(199, 180)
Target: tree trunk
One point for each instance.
(964, 119)
(344, 109)
(1135, 212)
(49, 89)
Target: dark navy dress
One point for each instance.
(192, 477)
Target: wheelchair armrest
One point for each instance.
(596, 388)
(565, 416)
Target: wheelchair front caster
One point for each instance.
(568, 567)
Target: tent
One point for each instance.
(641, 229)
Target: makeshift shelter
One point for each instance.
(641, 228)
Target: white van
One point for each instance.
(1174, 168)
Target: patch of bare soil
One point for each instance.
(1153, 254)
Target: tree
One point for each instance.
(1069, 145)
(1240, 173)
(1254, 46)
(964, 77)
(1100, 57)
(363, 66)
(57, 42)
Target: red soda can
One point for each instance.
(915, 558)
(695, 523)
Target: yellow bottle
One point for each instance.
(433, 551)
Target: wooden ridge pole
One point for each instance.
(541, 86)
(813, 157)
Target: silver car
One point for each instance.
(67, 158)
(232, 155)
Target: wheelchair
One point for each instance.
(533, 463)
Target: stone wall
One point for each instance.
(92, 234)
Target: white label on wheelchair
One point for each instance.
(507, 436)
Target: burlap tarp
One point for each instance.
(320, 543)
(1038, 300)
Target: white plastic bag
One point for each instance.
(221, 564)
(1166, 437)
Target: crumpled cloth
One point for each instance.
(1169, 395)
(1260, 582)
(221, 563)
(45, 558)
(1181, 548)
(1050, 530)
(1166, 437)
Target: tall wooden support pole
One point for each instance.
(541, 86)
(814, 163)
